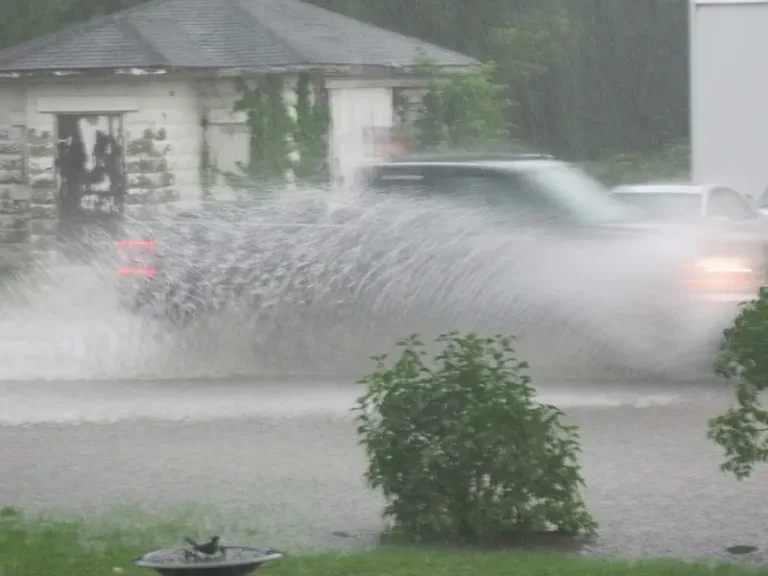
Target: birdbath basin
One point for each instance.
(231, 561)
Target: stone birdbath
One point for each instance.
(209, 559)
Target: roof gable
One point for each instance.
(246, 34)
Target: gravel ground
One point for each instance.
(281, 457)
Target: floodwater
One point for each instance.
(101, 407)
(307, 284)
(280, 457)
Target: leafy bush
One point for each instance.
(463, 451)
(742, 431)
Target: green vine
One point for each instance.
(209, 170)
(268, 123)
(401, 105)
(274, 133)
(312, 123)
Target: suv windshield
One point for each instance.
(584, 196)
(537, 190)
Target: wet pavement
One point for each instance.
(281, 457)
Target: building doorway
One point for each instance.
(90, 167)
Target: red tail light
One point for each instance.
(137, 271)
(135, 257)
(145, 243)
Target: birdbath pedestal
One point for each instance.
(228, 561)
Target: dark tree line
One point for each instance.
(587, 78)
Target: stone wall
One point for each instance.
(162, 149)
(162, 137)
(150, 180)
(41, 179)
(14, 199)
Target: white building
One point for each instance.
(729, 93)
(162, 78)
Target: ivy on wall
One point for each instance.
(209, 170)
(402, 106)
(312, 125)
(281, 144)
(268, 124)
(459, 111)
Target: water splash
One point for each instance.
(307, 283)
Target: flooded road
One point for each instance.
(281, 456)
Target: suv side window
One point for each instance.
(505, 192)
(498, 190)
(402, 179)
(727, 203)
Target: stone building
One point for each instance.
(137, 95)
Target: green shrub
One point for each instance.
(462, 450)
(742, 431)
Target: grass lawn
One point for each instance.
(38, 547)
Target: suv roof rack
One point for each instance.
(471, 157)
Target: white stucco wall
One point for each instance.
(356, 109)
(227, 133)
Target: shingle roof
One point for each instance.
(244, 34)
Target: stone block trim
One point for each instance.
(14, 199)
(150, 179)
(11, 156)
(42, 186)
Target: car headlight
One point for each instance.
(720, 274)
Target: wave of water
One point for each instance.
(306, 283)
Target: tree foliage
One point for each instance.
(463, 451)
(462, 111)
(742, 430)
(588, 76)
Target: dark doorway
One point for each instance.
(90, 165)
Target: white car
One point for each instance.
(728, 277)
(685, 201)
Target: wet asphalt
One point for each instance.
(280, 458)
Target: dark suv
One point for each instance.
(535, 187)
(554, 197)
(527, 191)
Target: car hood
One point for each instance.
(754, 230)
